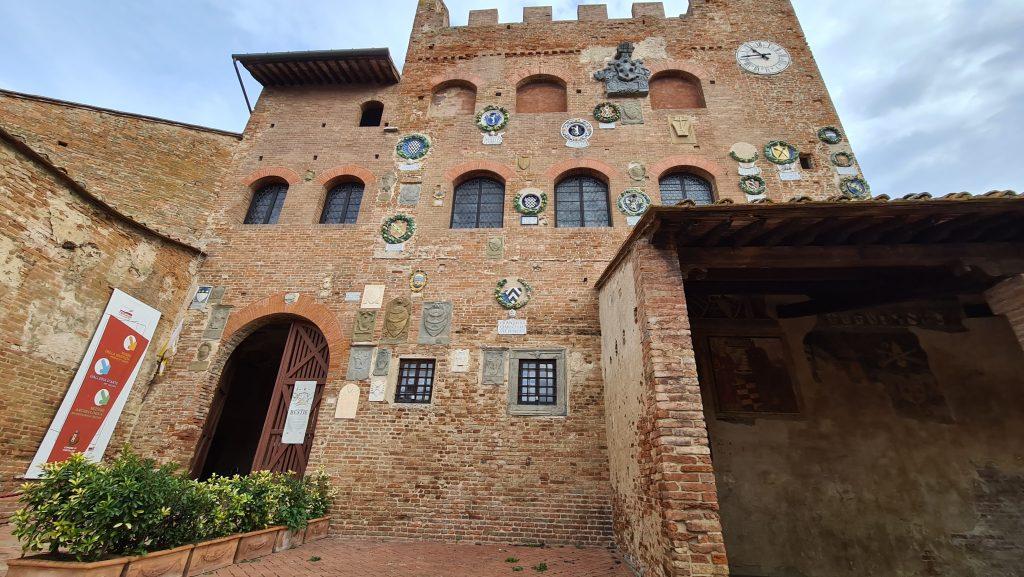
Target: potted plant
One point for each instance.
(292, 512)
(319, 502)
(260, 494)
(223, 511)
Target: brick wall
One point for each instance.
(1007, 299)
(61, 256)
(161, 173)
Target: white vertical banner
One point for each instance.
(97, 395)
(299, 409)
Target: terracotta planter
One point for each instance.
(167, 563)
(256, 544)
(288, 539)
(212, 555)
(48, 566)
(317, 529)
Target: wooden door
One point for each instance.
(305, 359)
(220, 397)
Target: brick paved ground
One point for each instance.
(345, 558)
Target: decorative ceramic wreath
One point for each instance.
(521, 207)
(794, 152)
(753, 185)
(843, 159)
(389, 237)
(633, 202)
(522, 302)
(830, 135)
(482, 125)
(855, 187)
(607, 112)
(738, 158)
(413, 146)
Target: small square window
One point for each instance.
(415, 381)
(538, 386)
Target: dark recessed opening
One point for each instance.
(579, 91)
(323, 125)
(261, 157)
(61, 143)
(372, 113)
(272, 125)
(376, 156)
(806, 162)
(497, 94)
(314, 157)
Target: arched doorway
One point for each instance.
(245, 429)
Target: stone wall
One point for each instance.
(61, 254)
(902, 460)
(158, 172)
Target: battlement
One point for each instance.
(584, 13)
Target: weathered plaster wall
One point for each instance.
(60, 257)
(856, 487)
(160, 173)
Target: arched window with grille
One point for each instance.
(479, 203)
(582, 201)
(341, 206)
(679, 186)
(266, 204)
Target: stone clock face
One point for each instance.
(763, 57)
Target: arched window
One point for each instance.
(479, 203)
(266, 204)
(372, 113)
(541, 94)
(675, 89)
(342, 203)
(582, 201)
(452, 99)
(679, 186)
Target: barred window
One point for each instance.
(479, 203)
(537, 382)
(680, 186)
(266, 204)
(415, 381)
(582, 201)
(342, 204)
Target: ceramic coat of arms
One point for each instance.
(624, 76)
(513, 294)
(633, 202)
(577, 133)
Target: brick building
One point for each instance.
(769, 372)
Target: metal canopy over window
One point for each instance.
(479, 203)
(537, 382)
(415, 381)
(582, 201)
(681, 186)
(342, 203)
(266, 204)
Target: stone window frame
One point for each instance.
(561, 406)
(392, 381)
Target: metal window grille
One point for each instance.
(582, 201)
(537, 382)
(342, 204)
(266, 204)
(479, 203)
(415, 381)
(681, 186)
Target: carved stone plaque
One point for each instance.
(366, 320)
(495, 248)
(359, 359)
(632, 113)
(493, 366)
(512, 327)
(624, 76)
(459, 360)
(378, 389)
(373, 296)
(396, 321)
(218, 320)
(682, 130)
(382, 362)
(436, 324)
(409, 194)
(348, 402)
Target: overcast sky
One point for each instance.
(931, 92)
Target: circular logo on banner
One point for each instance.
(101, 367)
(130, 342)
(634, 202)
(413, 147)
(102, 398)
(577, 133)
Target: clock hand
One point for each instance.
(764, 56)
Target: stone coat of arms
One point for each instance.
(624, 76)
